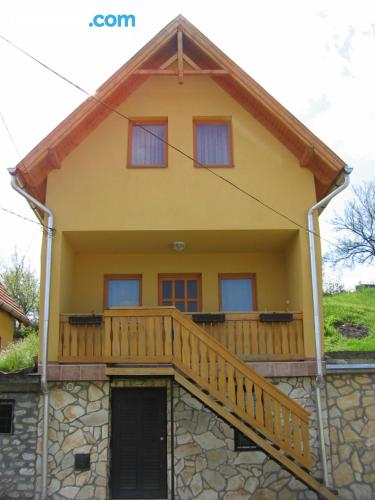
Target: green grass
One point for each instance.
(20, 354)
(349, 307)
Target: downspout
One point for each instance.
(317, 330)
(46, 301)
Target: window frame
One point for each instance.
(12, 404)
(232, 276)
(121, 277)
(214, 120)
(147, 121)
(250, 446)
(185, 277)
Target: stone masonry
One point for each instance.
(351, 415)
(79, 423)
(17, 450)
(206, 465)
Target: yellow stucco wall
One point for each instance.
(6, 328)
(90, 269)
(95, 191)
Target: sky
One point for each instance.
(316, 57)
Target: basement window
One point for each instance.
(147, 143)
(243, 443)
(6, 416)
(213, 142)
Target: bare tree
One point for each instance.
(357, 226)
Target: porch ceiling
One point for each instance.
(234, 241)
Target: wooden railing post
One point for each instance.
(168, 335)
(107, 337)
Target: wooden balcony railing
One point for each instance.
(242, 333)
(165, 336)
(252, 340)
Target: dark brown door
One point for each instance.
(139, 452)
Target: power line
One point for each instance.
(9, 134)
(123, 115)
(45, 228)
(22, 217)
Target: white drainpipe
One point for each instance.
(317, 330)
(46, 302)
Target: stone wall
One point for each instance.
(17, 450)
(206, 465)
(79, 423)
(351, 418)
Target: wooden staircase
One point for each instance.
(162, 340)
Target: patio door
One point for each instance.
(184, 291)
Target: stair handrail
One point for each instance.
(241, 366)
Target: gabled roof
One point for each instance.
(181, 44)
(9, 305)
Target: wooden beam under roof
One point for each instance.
(307, 156)
(180, 57)
(187, 72)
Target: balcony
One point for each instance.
(139, 335)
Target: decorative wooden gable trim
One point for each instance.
(183, 51)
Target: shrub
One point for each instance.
(20, 354)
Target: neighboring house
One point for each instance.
(174, 294)
(10, 312)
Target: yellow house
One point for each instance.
(180, 278)
(10, 312)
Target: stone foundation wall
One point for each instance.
(79, 423)
(351, 418)
(17, 450)
(206, 465)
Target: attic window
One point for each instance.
(147, 146)
(213, 142)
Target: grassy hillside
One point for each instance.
(357, 308)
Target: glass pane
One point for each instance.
(123, 293)
(180, 306)
(212, 143)
(192, 289)
(166, 303)
(147, 149)
(192, 307)
(179, 291)
(167, 289)
(236, 294)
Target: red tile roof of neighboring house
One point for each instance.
(8, 304)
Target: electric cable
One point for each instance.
(177, 149)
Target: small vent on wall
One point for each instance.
(82, 461)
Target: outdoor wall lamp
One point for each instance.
(178, 246)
